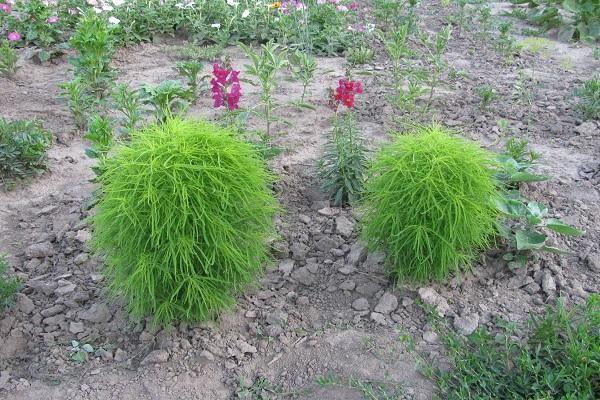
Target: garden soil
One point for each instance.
(325, 322)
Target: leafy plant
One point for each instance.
(8, 285)
(184, 213)
(343, 167)
(523, 221)
(266, 63)
(79, 353)
(429, 203)
(23, 146)
(169, 98)
(435, 50)
(575, 19)
(190, 71)
(193, 52)
(8, 59)
(100, 133)
(128, 102)
(303, 68)
(94, 42)
(523, 227)
(487, 95)
(558, 358)
(360, 55)
(506, 43)
(589, 99)
(78, 100)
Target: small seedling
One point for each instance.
(80, 353)
(487, 95)
(129, 103)
(303, 67)
(169, 98)
(589, 99)
(360, 55)
(8, 60)
(8, 285)
(78, 100)
(190, 71)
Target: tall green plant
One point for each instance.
(94, 42)
(266, 63)
(429, 203)
(8, 285)
(184, 214)
(343, 168)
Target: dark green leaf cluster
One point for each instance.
(23, 146)
(343, 168)
(184, 212)
(560, 359)
(429, 203)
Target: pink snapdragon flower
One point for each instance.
(225, 87)
(14, 36)
(53, 19)
(6, 8)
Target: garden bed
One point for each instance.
(325, 319)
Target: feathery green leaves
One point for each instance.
(429, 203)
(184, 213)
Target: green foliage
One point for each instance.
(8, 59)
(78, 100)
(487, 95)
(30, 19)
(194, 52)
(266, 64)
(304, 67)
(391, 12)
(23, 146)
(169, 98)
(190, 71)
(8, 286)
(79, 353)
(506, 43)
(100, 133)
(589, 99)
(128, 102)
(523, 221)
(360, 55)
(94, 41)
(559, 358)
(429, 203)
(575, 19)
(184, 213)
(343, 167)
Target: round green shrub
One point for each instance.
(429, 203)
(183, 217)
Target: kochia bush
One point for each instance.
(429, 203)
(183, 217)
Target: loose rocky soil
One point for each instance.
(326, 307)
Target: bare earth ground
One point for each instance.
(326, 308)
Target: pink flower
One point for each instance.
(53, 19)
(225, 87)
(6, 8)
(14, 36)
(353, 6)
(344, 93)
(341, 8)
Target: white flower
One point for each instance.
(114, 20)
(118, 3)
(107, 7)
(233, 3)
(216, 25)
(97, 10)
(245, 13)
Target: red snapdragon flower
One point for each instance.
(344, 93)
(225, 87)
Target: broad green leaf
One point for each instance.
(558, 226)
(556, 250)
(87, 348)
(537, 209)
(527, 177)
(529, 240)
